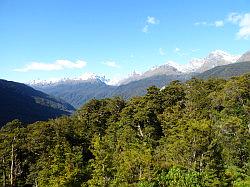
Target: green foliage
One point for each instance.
(191, 134)
(179, 177)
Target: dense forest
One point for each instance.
(190, 134)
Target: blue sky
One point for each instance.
(45, 39)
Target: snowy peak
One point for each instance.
(198, 65)
(84, 78)
(91, 77)
(215, 58)
(165, 69)
(131, 77)
(222, 55)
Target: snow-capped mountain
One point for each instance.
(78, 91)
(198, 65)
(86, 77)
(245, 57)
(215, 58)
(154, 71)
(161, 70)
(131, 77)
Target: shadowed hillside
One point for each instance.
(22, 102)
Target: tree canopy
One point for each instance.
(190, 134)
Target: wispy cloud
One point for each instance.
(177, 50)
(203, 23)
(243, 22)
(195, 50)
(181, 52)
(57, 65)
(150, 21)
(112, 64)
(162, 52)
(218, 23)
(234, 17)
(145, 29)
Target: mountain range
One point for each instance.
(51, 99)
(78, 91)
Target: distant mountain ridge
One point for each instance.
(164, 69)
(216, 64)
(226, 71)
(139, 87)
(19, 101)
(196, 65)
(77, 92)
(215, 58)
(199, 65)
(87, 77)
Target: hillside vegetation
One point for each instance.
(227, 71)
(188, 134)
(76, 93)
(19, 101)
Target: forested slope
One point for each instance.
(188, 134)
(19, 101)
(226, 71)
(77, 93)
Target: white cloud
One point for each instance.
(243, 22)
(162, 52)
(176, 49)
(112, 64)
(234, 17)
(219, 23)
(152, 20)
(57, 65)
(180, 52)
(195, 50)
(145, 29)
(239, 19)
(203, 23)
